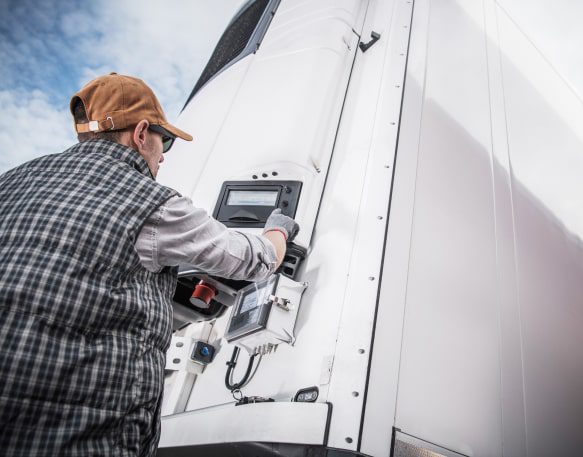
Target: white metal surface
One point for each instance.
(477, 340)
(368, 133)
(178, 385)
(513, 432)
(545, 139)
(284, 372)
(266, 127)
(449, 388)
(384, 375)
(490, 361)
(263, 422)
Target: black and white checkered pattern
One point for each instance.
(83, 326)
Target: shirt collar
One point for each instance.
(123, 153)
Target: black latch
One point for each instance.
(294, 255)
(374, 38)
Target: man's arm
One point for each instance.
(179, 233)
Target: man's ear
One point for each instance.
(139, 134)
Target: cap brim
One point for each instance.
(174, 131)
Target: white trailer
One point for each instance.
(436, 172)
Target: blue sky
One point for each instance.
(49, 49)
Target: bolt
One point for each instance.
(371, 278)
(348, 439)
(361, 351)
(380, 218)
(355, 394)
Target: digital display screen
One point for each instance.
(252, 197)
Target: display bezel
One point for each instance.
(254, 216)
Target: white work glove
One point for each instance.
(283, 224)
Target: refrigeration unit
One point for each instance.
(431, 304)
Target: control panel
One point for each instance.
(248, 204)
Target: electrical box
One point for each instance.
(264, 314)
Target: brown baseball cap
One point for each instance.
(115, 102)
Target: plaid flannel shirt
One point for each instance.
(83, 325)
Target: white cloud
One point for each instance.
(31, 127)
(167, 44)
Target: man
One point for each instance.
(88, 246)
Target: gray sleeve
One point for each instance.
(178, 233)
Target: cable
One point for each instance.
(254, 371)
(231, 366)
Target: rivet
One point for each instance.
(397, 86)
(387, 166)
(355, 394)
(348, 439)
(380, 218)
(371, 278)
(392, 123)
(179, 344)
(361, 351)
(176, 361)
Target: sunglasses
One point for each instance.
(167, 138)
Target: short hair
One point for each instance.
(80, 117)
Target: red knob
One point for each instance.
(202, 295)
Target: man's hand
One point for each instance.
(280, 228)
(282, 223)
